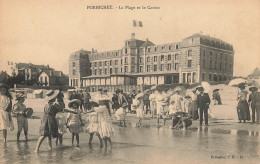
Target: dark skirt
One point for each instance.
(194, 110)
(49, 126)
(243, 110)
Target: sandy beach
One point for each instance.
(224, 137)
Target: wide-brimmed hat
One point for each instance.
(74, 101)
(2, 85)
(51, 94)
(19, 96)
(252, 89)
(215, 90)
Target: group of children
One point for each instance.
(54, 123)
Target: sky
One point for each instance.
(48, 31)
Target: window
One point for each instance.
(154, 67)
(162, 57)
(105, 71)
(116, 70)
(176, 67)
(220, 66)
(74, 64)
(203, 63)
(204, 53)
(189, 53)
(221, 56)
(111, 71)
(110, 62)
(100, 63)
(133, 60)
(184, 77)
(95, 72)
(189, 63)
(148, 59)
(141, 69)
(74, 72)
(116, 53)
(126, 60)
(169, 57)
(126, 51)
(148, 68)
(105, 63)
(90, 64)
(95, 64)
(100, 71)
(176, 56)
(210, 78)
(148, 49)
(163, 47)
(121, 69)
(176, 46)
(155, 58)
(132, 68)
(215, 66)
(121, 61)
(169, 67)
(155, 49)
(162, 67)
(126, 69)
(203, 76)
(41, 80)
(140, 60)
(211, 53)
(170, 47)
(116, 62)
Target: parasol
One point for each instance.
(237, 81)
(181, 89)
(206, 86)
(139, 95)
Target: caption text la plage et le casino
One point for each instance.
(108, 7)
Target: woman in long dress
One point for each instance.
(194, 105)
(242, 106)
(49, 125)
(6, 121)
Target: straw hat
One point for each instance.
(19, 96)
(74, 101)
(51, 94)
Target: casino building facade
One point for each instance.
(140, 62)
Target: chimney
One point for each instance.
(48, 65)
(92, 50)
(133, 36)
(147, 39)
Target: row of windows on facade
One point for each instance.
(120, 52)
(222, 56)
(215, 77)
(163, 67)
(215, 66)
(133, 60)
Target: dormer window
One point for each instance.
(155, 49)
(170, 47)
(163, 47)
(148, 49)
(176, 46)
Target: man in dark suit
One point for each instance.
(203, 105)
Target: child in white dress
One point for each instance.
(93, 126)
(61, 121)
(121, 113)
(105, 128)
(74, 121)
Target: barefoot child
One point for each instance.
(22, 122)
(74, 120)
(105, 129)
(49, 126)
(93, 126)
(121, 113)
(61, 121)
